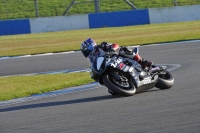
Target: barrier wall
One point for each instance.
(12, 27)
(99, 20)
(116, 19)
(174, 14)
(61, 23)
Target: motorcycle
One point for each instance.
(126, 77)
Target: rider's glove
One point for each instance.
(105, 46)
(111, 51)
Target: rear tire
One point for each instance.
(165, 81)
(110, 83)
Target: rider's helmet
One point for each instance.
(87, 47)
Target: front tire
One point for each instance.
(127, 90)
(165, 81)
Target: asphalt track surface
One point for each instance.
(176, 110)
(43, 63)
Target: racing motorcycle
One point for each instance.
(126, 77)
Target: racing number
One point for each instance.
(115, 62)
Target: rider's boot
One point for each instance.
(130, 54)
(142, 62)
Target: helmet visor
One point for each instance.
(86, 52)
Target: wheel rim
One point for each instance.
(122, 84)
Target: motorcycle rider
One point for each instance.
(90, 50)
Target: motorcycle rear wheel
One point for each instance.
(124, 89)
(165, 81)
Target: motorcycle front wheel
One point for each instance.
(124, 87)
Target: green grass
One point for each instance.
(124, 36)
(21, 86)
(13, 9)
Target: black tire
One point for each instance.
(165, 81)
(116, 89)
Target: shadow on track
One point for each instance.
(49, 104)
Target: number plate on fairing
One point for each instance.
(116, 62)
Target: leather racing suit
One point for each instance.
(105, 48)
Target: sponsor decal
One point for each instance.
(138, 68)
(121, 66)
(131, 69)
(126, 68)
(146, 81)
(116, 62)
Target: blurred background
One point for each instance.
(14, 9)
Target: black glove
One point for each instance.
(105, 46)
(111, 51)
